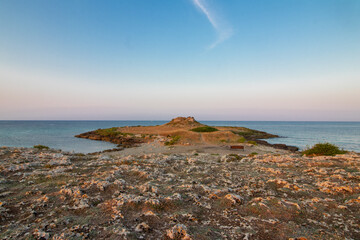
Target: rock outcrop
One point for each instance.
(184, 122)
(49, 194)
(122, 140)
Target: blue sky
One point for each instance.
(158, 59)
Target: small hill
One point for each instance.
(184, 122)
(179, 131)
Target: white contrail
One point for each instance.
(202, 7)
(224, 32)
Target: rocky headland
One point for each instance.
(184, 131)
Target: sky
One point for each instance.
(244, 60)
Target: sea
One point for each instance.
(60, 134)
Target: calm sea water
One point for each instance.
(303, 134)
(60, 134)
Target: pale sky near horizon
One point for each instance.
(290, 60)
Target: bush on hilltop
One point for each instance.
(204, 129)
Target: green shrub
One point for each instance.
(253, 154)
(41, 147)
(323, 149)
(241, 140)
(235, 156)
(109, 132)
(174, 139)
(252, 142)
(248, 133)
(204, 129)
(112, 132)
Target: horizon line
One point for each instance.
(199, 120)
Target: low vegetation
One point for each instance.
(204, 129)
(235, 157)
(41, 147)
(252, 154)
(252, 142)
(107, 132)
(250, 134)
(111, 132)
(323, 149)
(174, 140)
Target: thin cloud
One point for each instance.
(224, 32)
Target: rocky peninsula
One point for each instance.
(184, 131)
(183, 189)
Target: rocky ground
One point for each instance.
(49, 194)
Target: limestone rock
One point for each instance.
(179, 231)
(142, 227)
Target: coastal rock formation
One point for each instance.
(123, 140)
(278, 146)
(182, 131)
(49, 194)
(186, 122)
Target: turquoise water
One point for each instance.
(60, 134)
(302, 134)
